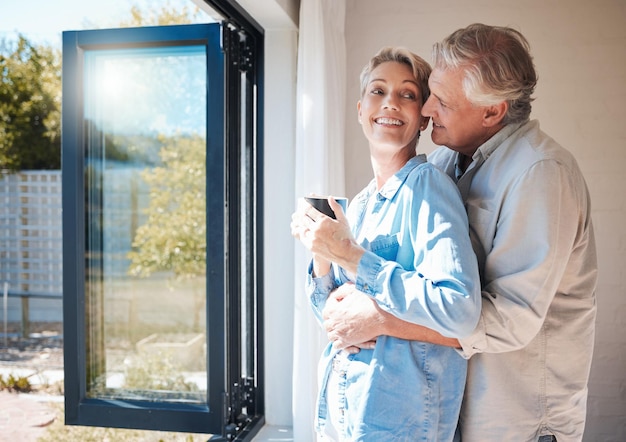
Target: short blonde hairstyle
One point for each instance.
(420, 68)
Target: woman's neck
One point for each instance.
(385, 166)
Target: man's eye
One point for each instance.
(376, 91)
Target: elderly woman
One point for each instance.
(405, 242)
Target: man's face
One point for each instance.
(457, 123)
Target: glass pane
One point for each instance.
(145, 120)
(246, 217)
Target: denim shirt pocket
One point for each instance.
(385, 246)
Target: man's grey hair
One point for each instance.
(498, 67)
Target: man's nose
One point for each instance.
(427, 110)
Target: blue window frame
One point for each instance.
(162, 217)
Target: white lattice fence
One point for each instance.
(31, 246)
(31, 249)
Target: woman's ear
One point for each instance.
(424, 123)
(495, 113)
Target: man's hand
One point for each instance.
(352, 319)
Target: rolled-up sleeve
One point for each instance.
(318, 289)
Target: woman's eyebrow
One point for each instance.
(385, 81)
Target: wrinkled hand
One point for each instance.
(327, 238)
(352, 319)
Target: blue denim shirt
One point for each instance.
(419, 265)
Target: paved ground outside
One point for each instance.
(38, 416)
(25, 417)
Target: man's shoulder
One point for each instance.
(530, 143)
(443, 158)
(440, 154)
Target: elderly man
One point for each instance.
(530, 225)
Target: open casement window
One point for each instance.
(161, 221)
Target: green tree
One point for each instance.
(174, 235)
(30, 93)
(30, 106)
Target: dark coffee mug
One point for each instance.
(321, 204)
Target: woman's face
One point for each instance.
(390, 109)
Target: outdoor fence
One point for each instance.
(31, 238)
(31, 249)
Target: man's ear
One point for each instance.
(358, 108)
(494, 114)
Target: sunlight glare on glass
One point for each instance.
(149, 91)
(114, 85)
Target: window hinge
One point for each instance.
(245, 54)
(239, 405)
(236, 43)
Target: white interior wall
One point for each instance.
(279, 203)
(578, 47)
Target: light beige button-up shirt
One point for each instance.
(530, 355)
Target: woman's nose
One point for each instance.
(390, 102)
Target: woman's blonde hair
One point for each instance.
(420, 68)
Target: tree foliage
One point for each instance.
(30, 106)
(173, 239)
(30, 93)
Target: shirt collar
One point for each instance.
(488, 147)
(393, 184)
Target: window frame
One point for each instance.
(227, 393)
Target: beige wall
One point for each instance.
(579, 50)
